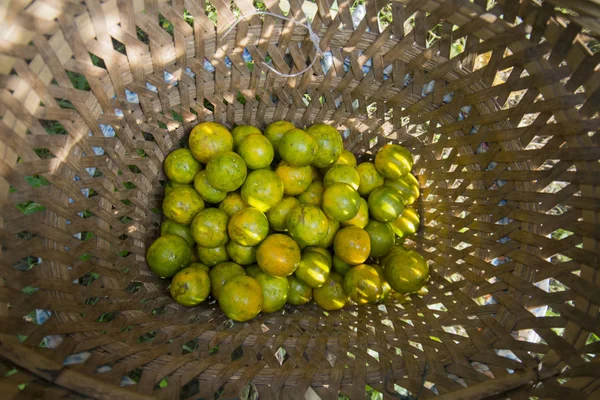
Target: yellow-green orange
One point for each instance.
(299, 293)
(170, 227)
(198, 265)
(226, 171)
(362, 284)
(275, 131)
(321, 250)
(257, 151)
(329, 143)
(248, 227)
(278, 255)
(393, 161)
(242, 298)
(331, 296)
(340, 266)
(352, 245)
(346, 158)
(241, 131)
(181, 166)
(167, 255)
(385, 204)
(243, 255)
(307, 224)
(342, 174)
(382, 238)
(332, 228)
(370, 178)
(182, 204)
(314, 269)
(313, 195)
(209, 228)
(206, 191)
(297, 148)
(361, 219)
(341, 202)
(172, 185)
(295, 179)
(406, 271)
(406, 224)
(212, 256)
(277, 215)
(220, 274)
(209, 139)
(274, 290)
(407, 186)
(232, 203)
(263, 189)
(190, 286)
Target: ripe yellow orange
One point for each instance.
(340, 266)
(313, 195)
(243, 255)
(382, 238)
(226, 171)
(170, 227)
(208, 193)
(182, 204)
(190, 286)
(263, 189)
(370, 178)
(330, 144)
(257, 151)
(232, 203)
(406, 224)
(341, 202)
(295, 179)
(406, 271)
(241, 298)
(220, 274)
(407, 186)
(393, 161)
(278, 255)
(361, 219)
(167, 255)
(212, 256)
(331, 296)
(352, 245)
(342, 174)
(277, 215)
(299, 293)
(241, 131)
(385, 204)
(307, 225)
(209, 227)
(314, 269)
(181, 166)
(297, 148)
(275, 131)
(248, 227)
(274, 290)
(209, 139)
(332, 228)
(362, 284)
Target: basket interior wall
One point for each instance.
(498, 101)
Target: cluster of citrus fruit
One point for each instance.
(313, 225)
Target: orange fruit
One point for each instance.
(331, 296)
(330, 144)
(220, 274)
(278, 255)
(190, 286)
(257, 151)
(209, 228)
(199, 266)
(181, 166)
(407, 186)
(342, 174)
(248, 227)
(382, 238)
(253, 270)
(167, 255)
(172, 185)
(295, 179)
(370, 178)
(170, 227)
(346, 158)
(242, 298)
(307, 225)
(226, 171)
(299, 293)
(297, 148)
(385, 204)
(341, 202)
(209, 139)
(277, 215)
(206, 191)
(241, 131)
(313, 195)
(362, 284)
(243, 255)
(406, 271)
(352, 245)
(340, 266)
(274, 290)
(323, 251)
(275, 131)
(182, 204)
(386, 289)
(316, 174)
(332, 228)
(232, 203)
(393, 161)
(212, 256)
(406, 224)
(361, 219)
(314, 269)
(263, 189)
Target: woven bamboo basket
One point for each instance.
(497, 100)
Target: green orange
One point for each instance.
(330, 144)
(406, 224)
(209, 139)
(241, 131)
(208, 193)
(346, 158)
(220, 274)
(253, 270)
(167, 255)
(209, 227)
(331, 296)
(199, 266)
(342, 174)
(297, 148)
(263, 189)
(232, 203)
(242, 298)
(352, 245)
(182, 204)
(393, 161)
(406, 271)
(170, 227)
(314, 268)
(362, 284)
(407, 186)
(172, 185)
(299, 293)
(226, 171)
(340, 266)
(248, 227)
(382, 238)
(370, 178)
(361, 219)
(181, 166)
(313, 195)
(341, 202)
(278, 255)
(321, 250)
(277, 215)
(385, 204)
(212, 256)
(274, 290)
(275, 131)
(257, 151)
(307, 224)
(190, 286)
(332, 228)
(295, 179)
(243, 255)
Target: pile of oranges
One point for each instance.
(258, 220)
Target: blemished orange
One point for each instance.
(243, 255)
(209, 139)
(275, 131)
(209, 227)
(226, 171)
(307, 224)
(190, 286)
(167, 255)
(299, 293)
(382, 238)
(407, 224)
(314, 269)
(331, 296)
(241, 131)
(221, 273)
(182, 204)
(313, 195)
(232, 203)
(352, 245)
(370, 178)
(297, 148)
(263, 189)
(330, 144)
(341, 202)
(406, 271)
(257, 151)
(181, 166)
(295, 179)
(361, 219)
(393, 161)
(332, 228)
(274, 290)
(211, 256)
(241, 298)
(362, 284)
(277, 215)
(342, 174)
(278, 255)
(208, 193)
(385, 204)
(248, 227)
